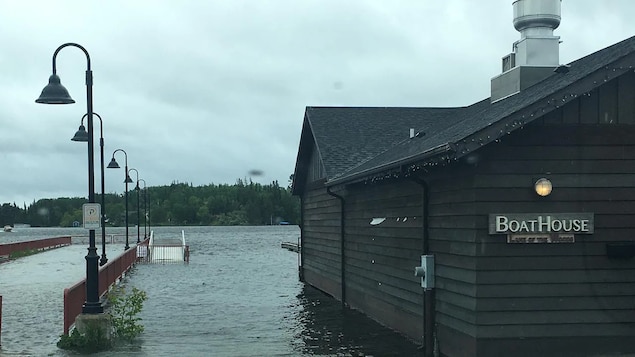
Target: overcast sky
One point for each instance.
(205, 91)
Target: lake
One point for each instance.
(238, 296)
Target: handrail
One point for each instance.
(186, 248)
(165, 252)
(39, 244)
(75, 296)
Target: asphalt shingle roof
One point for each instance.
(347, 137)
(357, 141)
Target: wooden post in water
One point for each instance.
(0, 320)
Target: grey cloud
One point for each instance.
(205, 91)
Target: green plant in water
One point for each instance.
(93, 340)
(124, 309)
(125, 323)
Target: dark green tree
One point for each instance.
(244, 203)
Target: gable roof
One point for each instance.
(346, 137)
(355, 143)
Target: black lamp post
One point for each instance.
(82, 135)
(114, 165)
(55, 93)
(148, 216)
(145, 209)
(137, 189)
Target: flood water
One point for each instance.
(238, 296)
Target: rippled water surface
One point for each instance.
(238, 296)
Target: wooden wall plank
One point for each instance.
(552, 331)
(589, 108)
(562, 303)
(455, 286)
(566, 152)
(407, 239)
(607, 103)
(498, 247)
(383, 290)
(553, 263)
(321, 241)
(563, 276)
(554, 290)
(559, 166)
(408, 320)
(626, 99)
(463, 301)
(456, 324)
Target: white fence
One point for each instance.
(160, 251)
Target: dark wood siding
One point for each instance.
(497, 298)
(321, 242)
(452, 220)
(626, 99)
(380, 258)
(547, 291)
(612, 103)
(316, 167)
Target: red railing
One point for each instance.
(40, 244)
(75, 296)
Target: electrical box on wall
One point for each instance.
(426, 271)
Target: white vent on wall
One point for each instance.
(377, 220)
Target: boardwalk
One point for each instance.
(32, 288)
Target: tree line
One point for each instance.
(244, 203)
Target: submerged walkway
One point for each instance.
(32, 290)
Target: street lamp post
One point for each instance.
(137, 189)
(114, 165)
(145, 209)
(56, 93)
(81, 135)
(148, 216)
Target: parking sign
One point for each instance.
(92, 215)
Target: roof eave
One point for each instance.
(360, 176)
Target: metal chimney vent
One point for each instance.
(536, 20)
(536, 54)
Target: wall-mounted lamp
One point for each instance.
(543, 187)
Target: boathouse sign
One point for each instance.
(541, 227)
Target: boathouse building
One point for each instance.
(520, 208)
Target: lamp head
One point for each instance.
(81, 134)
(128, 179)
(543, 187)
(113, 164)
(54, 93)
